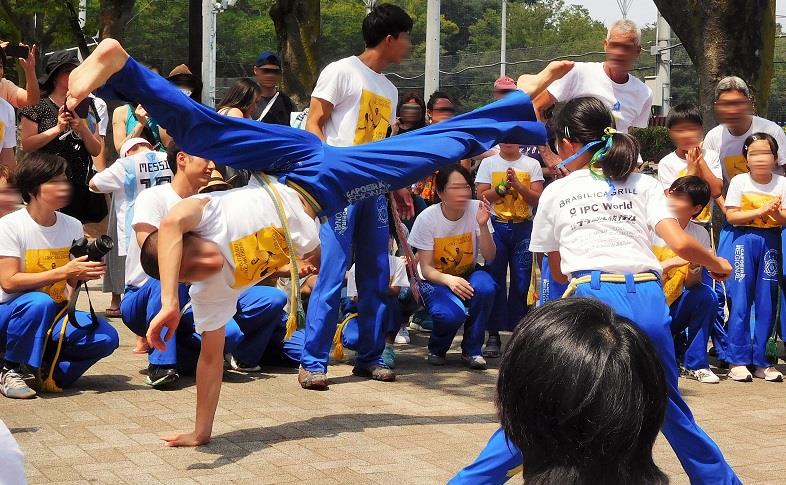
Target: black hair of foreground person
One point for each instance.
(582, 393)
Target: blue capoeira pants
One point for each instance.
(329, 177)
(694, 310)
(512, 241)
(644, 304)
(549, 289)
(24, 322)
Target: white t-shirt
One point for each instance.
(746, 194)
(729, 147)
(674, 279)
(125, 180)
(7, 125)
(593, 231)
(364, 102)
(11, 459)
(454, 243)
(494, 170)
(671, 167)
(38, 248)
(253, 245)
(150, 207)
(630, 102)
(101, 110)
(398, 276)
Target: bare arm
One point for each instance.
(555, 262)
(542, 103)
(485, 190)
(531, 192)
(119, 135)
(14, 280)
(739, 217)
(486, 244)
(8, 159)
(31, 95)
(691, 250)
(32, 140)
(319, 112)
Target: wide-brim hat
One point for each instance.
(217, 183)
(56, 61)
(131, 143)
(183, 75)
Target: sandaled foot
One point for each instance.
(107, 59)
(534, 84)
(112, 313)
(185, 439)
(376, 372)
(141, 347)
(314, 381)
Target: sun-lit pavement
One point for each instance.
(420, 429)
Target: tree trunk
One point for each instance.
(113, 18)
(726, 38)
(297, 28)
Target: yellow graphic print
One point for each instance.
(373, 117)
(674, 279)
(40, 260)
(512, 207)
(705, 214)
(454, 255)
(735, 165)
(258, 255)
(752, 201)
(2, 131)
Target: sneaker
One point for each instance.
(493, 347)
(769, 374)
(238, 366)
(435, 359)
(740, 373)
(389, 356)
(402, 337)
(475, 362)
(375, 372)
(421, 321)
(159, 376)
(705, 376)
(314, 381)
(13, 385)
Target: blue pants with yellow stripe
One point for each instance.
(756, 263)
(644, 304)
(24, 322)
(512, 241)
(329, 177)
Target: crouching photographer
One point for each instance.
(38, 277)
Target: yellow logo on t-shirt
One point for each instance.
(512, 207)
(674, 279)
(454, 255)
(2, 131)
(373, 117)
(735, 165)
(752, 201)
(258, 255)
(40, 260)
(705, 214)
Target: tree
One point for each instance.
(297, 28)
(114, 16)
(726, 37)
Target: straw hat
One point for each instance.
(217, 183)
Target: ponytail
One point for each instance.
(621, 158)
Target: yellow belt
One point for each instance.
(608, 278)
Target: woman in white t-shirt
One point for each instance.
(754, 209)
(36, 280)
(595, 225)
(448, 236)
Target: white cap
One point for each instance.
(131, 143)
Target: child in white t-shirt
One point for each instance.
(512, 182)
(754, 209)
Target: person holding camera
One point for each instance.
(16, 96)
(37, 278)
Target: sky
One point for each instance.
(641, 11)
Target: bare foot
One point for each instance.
(108, 58)
(534, 84)
(184, 439)
(141, 346)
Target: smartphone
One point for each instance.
(82, 108)
(18, 51)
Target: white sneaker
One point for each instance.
(705, 376)
(12, 384)
(235, 365)
(475, 362)
(402, 337)
(769, 374)
(740, 373)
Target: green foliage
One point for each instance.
(654, 141)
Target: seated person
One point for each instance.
(600, 423)
(692, 303)
(448, 236)
(36, 280)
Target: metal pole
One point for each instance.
(663, 35)
(431, 82)
(208, 53)
(503, 47)
(82, 13)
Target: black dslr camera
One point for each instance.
(95, 251)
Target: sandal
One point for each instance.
(315, 381)
(112, 313)
(141, 347)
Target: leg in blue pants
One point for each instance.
(512, 241)
(549, 289)
(24, 322)
(82, 347)
(284, 353)
(190, 344)
(260, 310)
(695, 310)
(333, 177)
(719, 338)
(449, 314)
(645, 305)
(754, 281)
(499, 461)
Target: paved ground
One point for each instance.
(420, 429)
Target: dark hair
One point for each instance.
(242, 95)
(684, 113)
(3, 58)
(443, 175)
(148, 256)
(36, 169)
(758, 137)
(436, 95)
(694, 188)
(383, 20)
(171, 155)
(419, 101)
(594, 417)
(585, 120)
